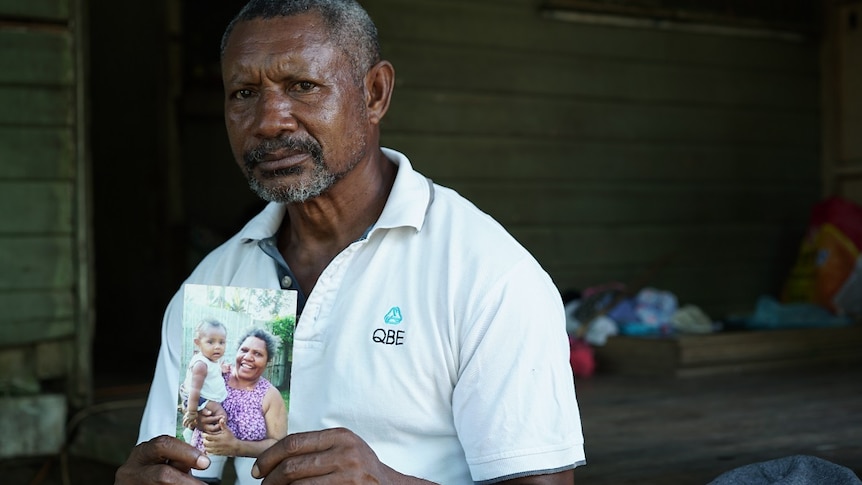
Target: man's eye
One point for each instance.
(304, 86)
(242, 94)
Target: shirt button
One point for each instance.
(286, 282)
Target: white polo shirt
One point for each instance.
(437, 338)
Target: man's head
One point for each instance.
(304, 94)
(348, 25)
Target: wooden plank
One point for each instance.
(36, 262)
(628, 356)
(457, 158)
(850, 49)
(35, 57)
(483, 115)
(79, 384)
(544, 202)
(628, 244)
(756, 15)
(37, 305)
(36, 106)
(576, 119)
(38, 424)
(36, 207)
(522, 27)
(35, 9)
(17, 372)
(852, 190)
(23, 365)
(36, 152)
(835, 359)
(731, 352)
(482, 69)
(54, 358)
(744, 346)
(35, 331)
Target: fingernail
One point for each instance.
(255, 471)
(203, 462)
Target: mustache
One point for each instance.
(290, 143)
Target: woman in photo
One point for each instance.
(256, 413)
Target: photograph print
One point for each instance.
(236, 353)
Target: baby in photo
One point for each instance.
(204, 386)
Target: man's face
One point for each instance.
(295, 114)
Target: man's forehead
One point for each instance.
(276, 35)
(305, 24)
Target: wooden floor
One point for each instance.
(641, 430)
(638, 430)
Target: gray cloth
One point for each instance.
(790, 470)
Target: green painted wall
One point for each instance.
(38, 168)
(45, 324)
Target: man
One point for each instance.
(430, 345)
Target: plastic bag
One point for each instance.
(827, 254)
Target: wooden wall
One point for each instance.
(603, 149)
(842, 99)
(44, 290)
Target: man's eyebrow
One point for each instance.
(240, 72)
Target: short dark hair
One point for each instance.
(268, 339)
(348, 23)
(209, 323)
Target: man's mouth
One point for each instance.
(278, 154)
(280, 161)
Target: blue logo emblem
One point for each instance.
(393, 316)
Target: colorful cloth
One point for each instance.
(244, 410)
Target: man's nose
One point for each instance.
(275, 114)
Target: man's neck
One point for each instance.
(314, 232)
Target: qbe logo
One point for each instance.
(390, 336)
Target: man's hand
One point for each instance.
(162, 460)
(336, 456)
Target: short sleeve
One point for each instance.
(514, 404)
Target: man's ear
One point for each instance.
(379, 83)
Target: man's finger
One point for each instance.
(294, 445)
(168, 450)
(161, 460)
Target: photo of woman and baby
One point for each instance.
(234, 391)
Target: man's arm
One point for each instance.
(339, 456)
(335, 456)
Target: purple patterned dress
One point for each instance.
(244, 410)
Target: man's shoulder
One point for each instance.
(463, 217)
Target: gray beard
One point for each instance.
(321, 180)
